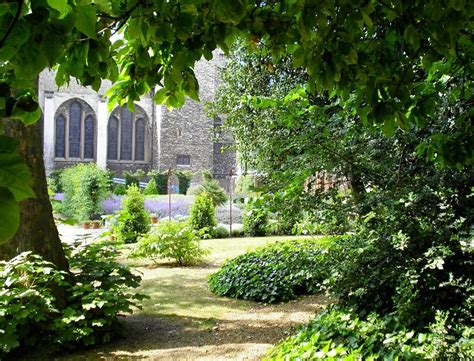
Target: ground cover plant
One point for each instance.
(275, 273)
(339, 334)
(44, 307)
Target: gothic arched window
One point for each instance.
(126, 135)
(75, 131)
(112, 135)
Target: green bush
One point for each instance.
(92, 297)
(133, 177)
(202, 216)
(275, 273)
(150, 188)
(338, 334)
(255, 218)
(161, 181)
(132, 220)
(85, 187)
(212, 188)
(120, 190)
(170, 239)
(184, 180)
(221, 231)
(55, 181)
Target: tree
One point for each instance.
(389, 60)
(413, 219)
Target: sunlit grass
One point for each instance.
(183, 291)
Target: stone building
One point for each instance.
(79, 128)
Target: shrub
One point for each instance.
(221, 231)
(202, 214)
(55, 181)
(120, 190)
(133, 177)
(85, 187)
(340, 334)
(94, 295)
(132, 220)
(184, 180)
(255, 218)
(170, 239)
(274, 273)
(161, 181)
(212, 188)
(150, 188)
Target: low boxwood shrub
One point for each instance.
(150, 188)
(91, 298)
(221, 231)
(120, 190)
(133, 220)
(173, 240)
(85, 187)
(339, 334)
(274, 273)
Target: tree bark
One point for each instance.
(37, 231)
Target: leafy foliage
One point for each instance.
(274, 273)
(161, 181)
(150, 188)
(212, 188)
(255, 217)
(202, 216)
(184, 181)
(339, 334)
(133, 177)
(55, 181)
(132, 220)
(85, 187)
(373, 56)
(120, 190)
(95, 294)
(173, 240)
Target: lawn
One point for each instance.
(184, 320)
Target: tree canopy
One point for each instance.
(389, 59)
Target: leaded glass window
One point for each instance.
(112, 139)
(126, 134)
(75, 130)
(60, 141)
(140, 140)
(89, 137)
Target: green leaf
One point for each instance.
(14, 173)
(9, 214)
(61, 6)
(389, 126)
(86, 19)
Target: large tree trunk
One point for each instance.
(37, 231)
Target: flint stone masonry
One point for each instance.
(169, 133)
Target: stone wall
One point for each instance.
(170, 133)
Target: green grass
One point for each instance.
(183, 291)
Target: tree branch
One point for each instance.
(12, 24)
